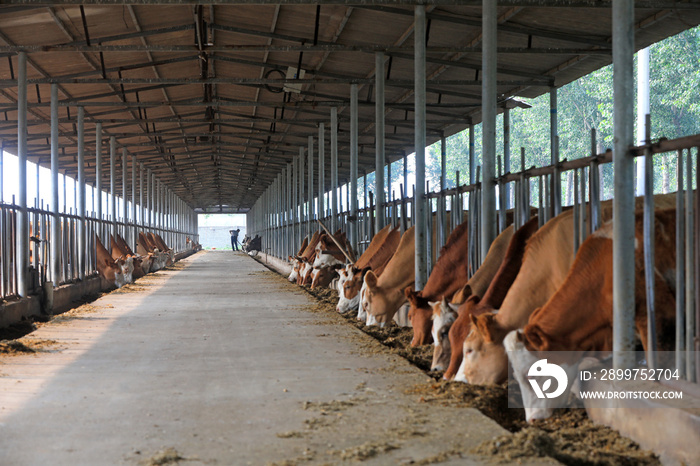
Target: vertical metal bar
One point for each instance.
(506, 157)
(442, 217)
(321, 170)
(421, 271)
(334, 167)
(288, 209)
(554, 150)
(689, 272)
(81, 193)
(594, 194)
(295, 209)
(125, 207)
(311, 186)
(150, 185)
(472, 156)
(387, 194)
(22, 239)
(355, 230)
(55, 227)
(488, 126)
(501, 198)
(112, 181)
(365, 214)
(577, 224)
(623, 201)
(582, 211)
(649, 233)
(134, 219)
(680, 269)
(642, 112)
(302, 192)
(379, 188)
(97, 193)
(540, 206)
(142, 220)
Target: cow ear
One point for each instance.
(534, 338)
(371, 279)
(410, 294)
(484, 324)
(463, 294)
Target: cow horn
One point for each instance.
(336, 242)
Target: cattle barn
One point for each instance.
(370, 315)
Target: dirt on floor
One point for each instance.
(568, 436)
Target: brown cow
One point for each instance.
(501, 265)
(450, 273)
(377, 255)
(108, 268)
(329, 258)
(296, 262)
(347, 273)
(578, 318)
(548, 258)
(119, 254)
(384, 295)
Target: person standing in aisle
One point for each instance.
(234, 239)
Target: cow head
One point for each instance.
(305, 276)
(114, 272)
(484, 360)
(444, 315)
(296, 263)
(146, 262)
(458, 332)
(361, 309)
(349, 296)
(522, 361)
(379, 302)
(322, 276)
(420, 314)
(138, 267)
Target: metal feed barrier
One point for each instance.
(283, 224)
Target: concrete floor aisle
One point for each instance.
(217, 361)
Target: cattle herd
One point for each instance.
(531, 293)
(122, 266)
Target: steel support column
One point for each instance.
(379, 158)
(334, 168)
(506, 154)
(112, 181)
(149, 197)
(22, 240)
(302, 214)
(309, 226)
(134, 220)
(354, 229)
(125, 207)
(295, 207)
(642, 111)
(488, 110)
(321, 170)
(98, 177)
(554, 150)
(56, 240)
(421, 264)
(81, 194)
(142, 220)
(623, 201)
